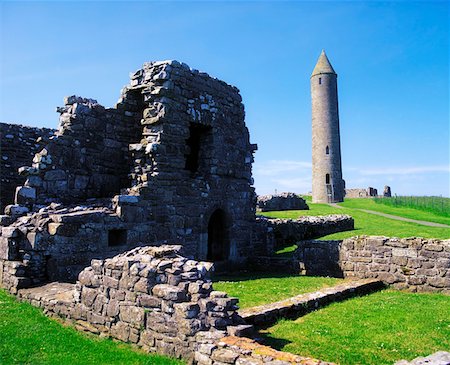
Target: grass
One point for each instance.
(254, 289)
(366, 223)
(407, 212)
(376, 329)
(28, 337)
(434, 204)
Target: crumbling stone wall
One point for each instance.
(283, 201)
(149, 296)
(361, 193)
(56, 243)
(416, 264)
(175, 146)
(290, 231)
(88, 157)
(18, 145)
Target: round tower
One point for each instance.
(327, 183)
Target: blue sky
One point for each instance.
(392, 60)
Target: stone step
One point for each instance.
(294, 307)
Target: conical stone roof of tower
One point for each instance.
(323, 66)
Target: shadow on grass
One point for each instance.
(268, 340)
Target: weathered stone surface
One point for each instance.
(283, 201)
(18, 146)
(438, 358)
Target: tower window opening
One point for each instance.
(327, 150)
(320, 81)
(327, 179)
(197, 134)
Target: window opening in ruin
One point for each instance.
(320, 81)
(218, 241)
(117, 237)
(197, 136)
(327, 150)
(327, 178)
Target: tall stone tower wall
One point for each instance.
(327, 183)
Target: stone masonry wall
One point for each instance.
(361, 193)
(176, 148)
(88, 157)
(18, 145)
(416, 264)
(283, 201)
(290, 231)
(149, 296)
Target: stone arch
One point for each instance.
(218, 236)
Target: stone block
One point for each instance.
(224, 356)
(63, 229)
(25, 195)
(133, 315)
(433, 247)
(149, 301)
(169, 292)
(439, 282)
(54, 175)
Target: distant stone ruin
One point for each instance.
(283, 201)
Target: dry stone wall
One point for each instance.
(416, 264)
(283, 201)
(88, 156)
(149, 296)
(18, 146)
(290, 231)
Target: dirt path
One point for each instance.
(396, 217)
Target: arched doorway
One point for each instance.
(218, 240)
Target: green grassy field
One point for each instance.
(434, 204)
(401, 211)
(369, 224)
(255, 289)
(376, 329)
(28, 337)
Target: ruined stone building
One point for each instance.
(327, 183)
(171, 162)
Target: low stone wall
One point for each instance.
(244, 351)
(18, 145)
(266, 315)
(416, 264)
(283, 201)
(149, 296)
(290, 231)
